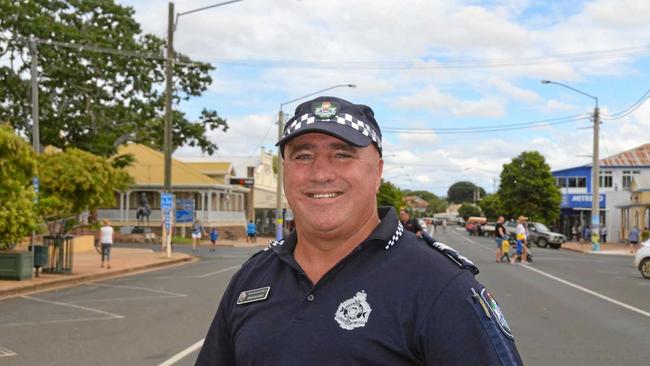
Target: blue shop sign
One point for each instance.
(580, 200)
(184, 210)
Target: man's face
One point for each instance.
(331, 185)
(404, 216)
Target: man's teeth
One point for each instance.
(324, 195)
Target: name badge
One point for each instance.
(257, 294)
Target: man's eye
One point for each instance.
(343, 156)
(302, 157)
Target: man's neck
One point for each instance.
(317, 253)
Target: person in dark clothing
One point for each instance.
(499, 236)
(351, 286)
(410, 224)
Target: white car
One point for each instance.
(642, 259)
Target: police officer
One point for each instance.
(350, 286)
(410, 224)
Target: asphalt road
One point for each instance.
(564, 309)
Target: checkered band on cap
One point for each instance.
(342, 119)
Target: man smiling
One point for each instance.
(350, 286)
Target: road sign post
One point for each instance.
(166, 205)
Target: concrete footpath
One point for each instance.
(124, 261)
(605, 248)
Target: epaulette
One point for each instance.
(452, 254)
(274, 243)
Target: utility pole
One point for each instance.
(35, 128)
(168, 118)
(595, 185)
(279, 224)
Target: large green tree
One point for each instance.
(461, 192)
(528, 188)
(390, 195)
(18, 216)
(94, 100)
(491, 206)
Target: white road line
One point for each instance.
(5, 352)
(590, 292)
(198, 276)
(58, 321)
(112, 299)
(473, 243)
(74, 306)
(136, 288)
(182, 354)
(568, 283)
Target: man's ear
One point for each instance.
(380, 171)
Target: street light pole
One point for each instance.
(595, 170)
(279, 219)
(172, 22)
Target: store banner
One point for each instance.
(580, 200)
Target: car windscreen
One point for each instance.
(541, 227)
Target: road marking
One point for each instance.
(5, 352)
(182, 354)
(199, 276)
(590, 292)
(137, 288)
(576, 286)
(474, 243)
(108, 316)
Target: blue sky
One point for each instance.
(405, 59)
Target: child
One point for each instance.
(214, 236)
(505, 249)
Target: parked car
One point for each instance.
(539, 234)
(642, 259)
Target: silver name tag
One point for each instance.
(257, 294)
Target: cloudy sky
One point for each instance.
(452, 83)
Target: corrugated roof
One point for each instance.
(639, 156)
(211, 167)
(149, 167)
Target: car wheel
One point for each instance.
(542, 243)
(644, 268)
(555, 246)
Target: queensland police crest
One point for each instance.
(353, 313)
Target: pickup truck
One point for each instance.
(538, 233)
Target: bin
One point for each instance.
(40, 256)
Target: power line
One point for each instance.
(494, 128)
(443, 64)
(627, 111)
(105, 50)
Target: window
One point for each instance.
(250, 172)
(582, 182)
(560, 182)
(628, 175)
(573, 182)
(605, 180)
(576, 182)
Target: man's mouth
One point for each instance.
(324, 195)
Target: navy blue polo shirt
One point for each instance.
(393, 301)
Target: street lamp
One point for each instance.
(171, 27)
(278, 197)
(595, 171)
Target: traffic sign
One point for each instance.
(166, 200)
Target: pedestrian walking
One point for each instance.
(106, 239)
(575, 232)
(634, 239)
(586, 233)
(603, 234)
(197, 233)
(521, 250)
(214, 236)
(499, 236)
(251, 232)
(444, 225)
(351, 286)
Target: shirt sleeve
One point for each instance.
(218, 347)
(458, 330)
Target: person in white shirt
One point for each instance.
(522, 239)
(106, 237)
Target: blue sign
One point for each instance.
(166, 200)
(184, 210)
(36, 185)
(168, 218)
(580, 200)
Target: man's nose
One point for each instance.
(323, 169)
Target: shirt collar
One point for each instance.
(387, 233)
